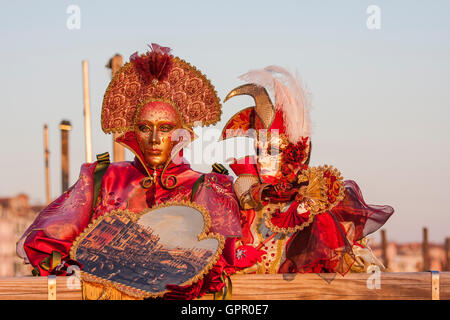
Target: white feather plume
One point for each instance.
(260, 77)
(294, 102)
(290, 97)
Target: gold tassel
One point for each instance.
(226, 292)
(97, 291)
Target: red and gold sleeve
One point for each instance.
(49, 238)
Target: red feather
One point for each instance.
(153, 65)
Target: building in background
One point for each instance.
(408, 257)
(16, 215)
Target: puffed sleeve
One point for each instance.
(216, 194)
(58, 225)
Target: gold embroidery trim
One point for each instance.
(274, 228)
(235, 132)
(315, 196)
(177, 61)
(280, 247)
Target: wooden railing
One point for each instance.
(354, 286)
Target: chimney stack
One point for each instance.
(115, 63)
(65, 127)
(47, 169)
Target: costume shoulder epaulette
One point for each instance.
(219, 168)
(103, 163)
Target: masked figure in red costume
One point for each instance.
(295, 218)
(152, 103)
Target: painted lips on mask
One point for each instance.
(154, 151)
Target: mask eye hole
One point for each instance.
(166, 128)
(143, 128)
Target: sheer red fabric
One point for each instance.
(326, 245)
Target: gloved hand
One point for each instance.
(211, 282)
(246, 256)
(279, 192)
(184, 292)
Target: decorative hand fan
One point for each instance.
(136, 255)
(325, 188)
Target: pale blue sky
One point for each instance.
(381, 98)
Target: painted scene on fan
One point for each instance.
(147, 254)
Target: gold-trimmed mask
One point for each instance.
(155, 123)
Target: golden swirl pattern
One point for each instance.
(325, 188)
(187, 88)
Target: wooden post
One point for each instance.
(118, 150)
(384, 248)
(65, 127)
(425, 251)
(447, 254)
(87, 112)
(47, 170)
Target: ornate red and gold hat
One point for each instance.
(158, 75)
(288, 117)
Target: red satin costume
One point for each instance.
(325, 245)
(295, 218)
(59, 224)
(155, 77)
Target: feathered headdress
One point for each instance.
(291, 112)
